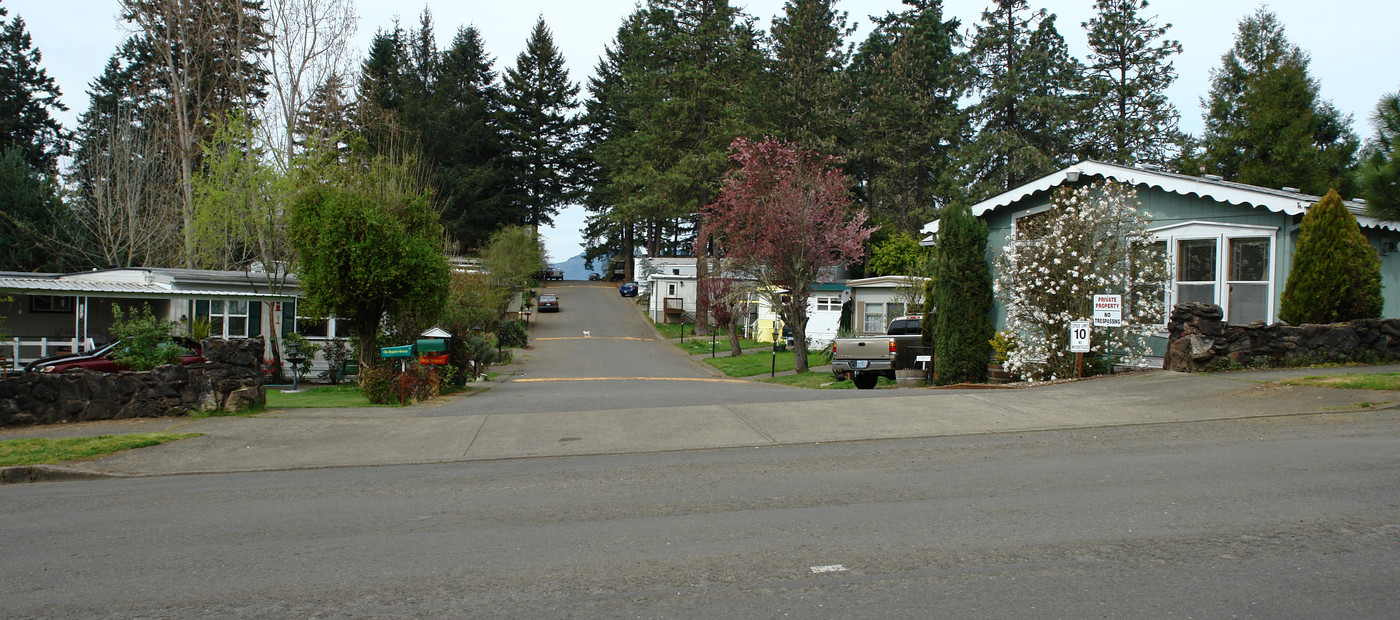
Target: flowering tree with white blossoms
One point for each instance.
(1092, 241)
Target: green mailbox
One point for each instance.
(399, 351)
(432, 345)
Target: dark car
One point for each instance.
(554, 273)
(549, 303)
(100, 359)
(593, 277)
(628, 290)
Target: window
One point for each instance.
(874, 318)
(230, 318)
(894, 310)
(1195, 271)
(671, 289)
(828, 304)
(50, 303)
(1230, 265)
(1249, 279)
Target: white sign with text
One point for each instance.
(1108, 310)
(1079, 336)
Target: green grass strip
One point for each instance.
(750, 364)
(319, 397)
(1350, 381)
(40, 451)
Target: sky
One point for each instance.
(1352, 43)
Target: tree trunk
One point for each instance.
(734, 347)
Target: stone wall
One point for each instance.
(1198, 339)
(230, 380)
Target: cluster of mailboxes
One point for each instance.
(430, 351)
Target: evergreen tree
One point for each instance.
(1028, 89)
(1336, 275)
(1130, 119)
(381, 87)
(329, 115)
(32, 216)
(465, 140)
(539, 103)
(908, 81)
(28, 100)
(1379, 176)
(1265, 124)
(960, 301)
(809, 105)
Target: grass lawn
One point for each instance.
(819, 381)
(750, 364)
(721, 345)
(318, 397)
(1350, 381)
(44, 451)
(673, 330)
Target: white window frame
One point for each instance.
(828, 303)
(1221, 234)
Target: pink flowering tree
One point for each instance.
(784, 216)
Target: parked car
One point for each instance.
(100, 359)
(593, 277)
(867, 359)
(628, 289)
(548, 302)
(554, 273)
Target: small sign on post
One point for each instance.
(1108, 310)
(1079, 336)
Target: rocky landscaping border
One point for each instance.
(1199, 340)
(231, 380)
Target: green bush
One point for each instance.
(385, 385)
(336, 353)
(962, 299)
(1336, 275)
(380, 385)
(513, 334)
(145, 340)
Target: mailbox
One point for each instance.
(432, 345)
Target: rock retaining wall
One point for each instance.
(230, 380)
(1199, 339)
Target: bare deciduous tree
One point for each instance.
(310, 44)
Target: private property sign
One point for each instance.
(1108, 310)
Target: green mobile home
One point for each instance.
(1228, 243)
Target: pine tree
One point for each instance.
(960, 301)
(328, 115)
(908, 82)
(381, 87)
(31, 218)
(539, 103)
(465, 140)
(1028, 88)
(1379, 176)
(1336, 275)
(1265, 124)
(28, 100)
(1130, 119)
(809, 103)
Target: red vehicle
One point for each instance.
(100, 359)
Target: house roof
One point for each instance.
(138, 283)
(882, 281)
(1275, 200)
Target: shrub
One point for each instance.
(380, 385)
(962, 298)
(512, 334)
(1336, 275)
(336, 353)
(145, 340)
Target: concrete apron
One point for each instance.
(294, 439)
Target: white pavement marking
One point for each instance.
(829, 568)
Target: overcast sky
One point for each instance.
(1353, 43)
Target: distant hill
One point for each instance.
(574, 269)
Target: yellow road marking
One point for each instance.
(548, 380)
(595, 338)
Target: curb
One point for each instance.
(49, 473)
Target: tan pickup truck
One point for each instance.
(867, 359)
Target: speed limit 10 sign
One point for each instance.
(1079, 336)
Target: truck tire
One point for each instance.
(865, 380)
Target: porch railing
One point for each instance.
(18, 352)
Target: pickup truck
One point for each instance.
(868, 359)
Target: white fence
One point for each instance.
(19, 352)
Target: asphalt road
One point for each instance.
(617, 364)
(1293, 517)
